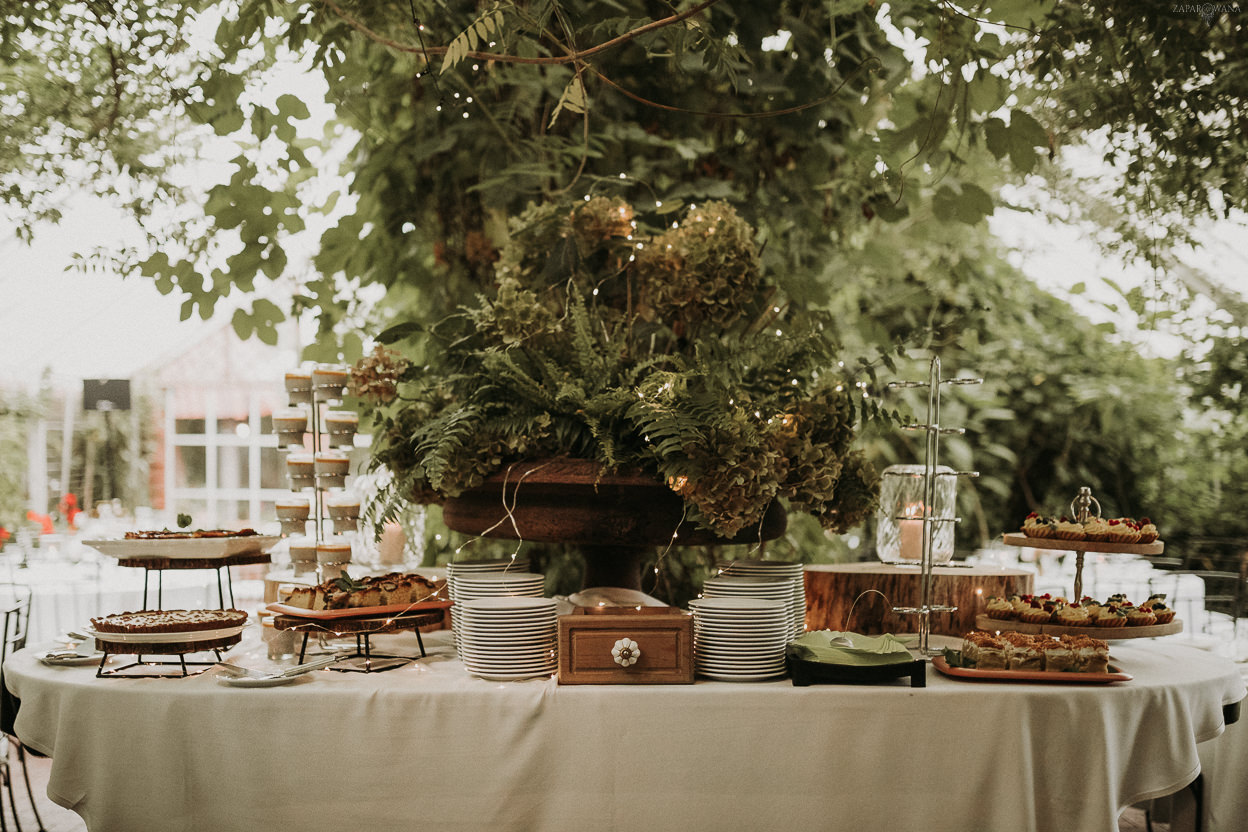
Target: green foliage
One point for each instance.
(16, 415)
(867, 175)
(586, 351)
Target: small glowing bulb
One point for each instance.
(465, 115)
(622, 176)
(438, 108)
(587, 197)
(658, 203)
(778, 333)
(595, 292)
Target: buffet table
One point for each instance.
(427, 745)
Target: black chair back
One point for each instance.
(15, 603)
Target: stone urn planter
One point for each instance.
(613, 518)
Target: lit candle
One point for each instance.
(911, 532)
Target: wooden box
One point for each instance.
(664, 646)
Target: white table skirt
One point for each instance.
(428, 746)
(1224, 762)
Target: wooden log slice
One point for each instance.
(375, 625)
(1154, 548)
(165, 648)
(162, 564)
(832, 589)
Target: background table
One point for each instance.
(66, 595)
(429, 746)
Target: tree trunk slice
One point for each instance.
(1154, 548)
(985, 622)
(831, 590)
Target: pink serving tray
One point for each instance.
(1028, 675)
(359, 612)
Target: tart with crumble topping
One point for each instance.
(151, 622)
(200, 534)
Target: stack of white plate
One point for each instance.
(740, 639)
(492, 585)
(508, 638)
(496, 584)
(782, 570)
(485, 565)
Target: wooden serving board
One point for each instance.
(1154, 548)
(359, 612)
(1114, 675)
(987, 622)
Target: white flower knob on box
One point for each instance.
(625, 652)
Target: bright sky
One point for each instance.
(78, 325)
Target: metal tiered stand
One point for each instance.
(931, 455)
(325, 389)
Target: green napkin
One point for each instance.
(817, 646)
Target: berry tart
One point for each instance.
(1036, 526)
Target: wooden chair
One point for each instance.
(15, 604)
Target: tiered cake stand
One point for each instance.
(1081, 506)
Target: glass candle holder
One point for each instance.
(899, 521)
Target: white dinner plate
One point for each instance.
(741, 677)
(512, 677)
(739, 633)
(488, 565)
(507, 644)
(165, 638)
(511, 667)
(535, 649)
(702, 648)
(493, 578)
(69, 661)
(735, 604)
(187, 547)
(517, 603)
(504, 616)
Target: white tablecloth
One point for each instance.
(1224, 762)
(428, 746)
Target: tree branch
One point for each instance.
(570, 57)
